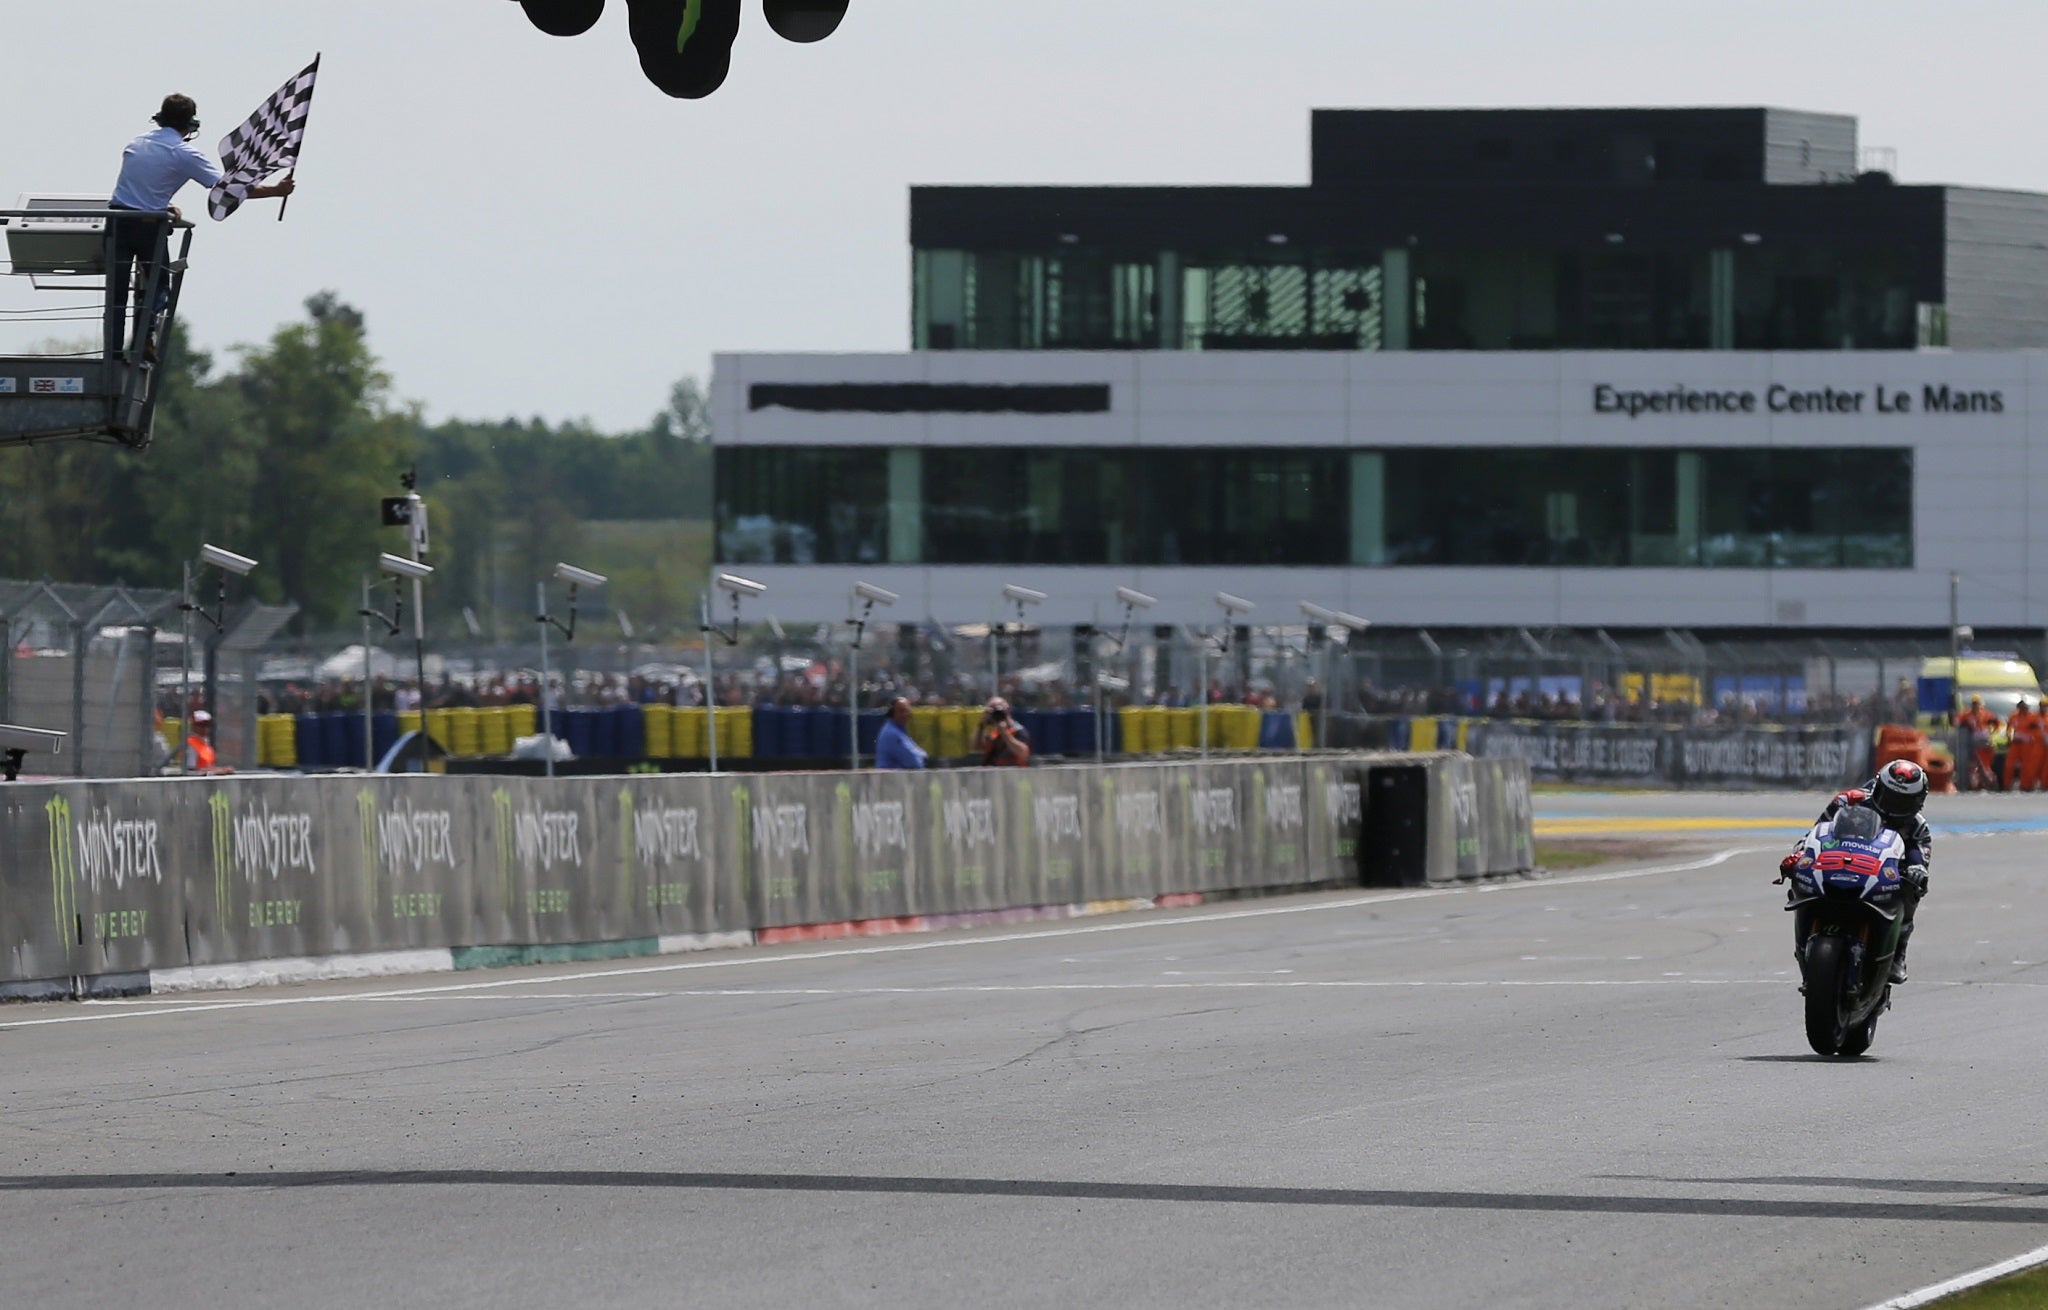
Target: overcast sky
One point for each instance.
(533, 229)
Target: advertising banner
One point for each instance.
(1335, 799)
(1817, 758)
(1136, 834)
(407, 880)
(1624, 754)
(117, 859)
(121, 878)
(1660, 755)
(669, 845)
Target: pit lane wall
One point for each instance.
(133, 886)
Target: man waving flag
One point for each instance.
(265, 145)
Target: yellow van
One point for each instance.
(2001, 680)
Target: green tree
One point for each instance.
(329, 445)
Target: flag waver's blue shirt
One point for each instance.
(156, 164)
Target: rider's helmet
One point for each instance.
(1900, 791)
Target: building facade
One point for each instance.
(1594, 489)
(1624, 369)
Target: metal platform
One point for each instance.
(59, 244)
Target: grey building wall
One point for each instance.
(1802, 148)
(1997, 277)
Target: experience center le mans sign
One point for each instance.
(1779, 398)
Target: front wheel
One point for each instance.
(1826, 969)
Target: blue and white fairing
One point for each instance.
(1852, 855)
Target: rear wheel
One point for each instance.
(1827, 963)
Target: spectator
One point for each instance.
(1001, 741)
(893, 747)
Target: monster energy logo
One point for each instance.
(223, 813)
(366, 821)
(502, 826)
(63, 868)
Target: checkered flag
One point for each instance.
(265, 145)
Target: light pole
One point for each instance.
(867, 596)
(400, 569)
(1333, 621)
(735, 586)
(1232, 607)
(575, 577)
(1020, 597)
(1132, 600)
(410, 512)
(227, 562)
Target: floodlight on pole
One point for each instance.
(227, 562)
(1348, 624)
(866, 595)
(737, 587)
(576, 578)
(1022, 598)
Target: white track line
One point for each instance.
(105, 1010)
(1964, 1282)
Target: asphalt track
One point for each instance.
(1586, 1092)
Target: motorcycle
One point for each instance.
(1846, 898)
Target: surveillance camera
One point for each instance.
(1334, 618)
(1136, 599)
(581, 577)
(1233, 604)
(30, 739)
(398, 566)
(874, 595)
(740, 586)
(1024, 595)
(225, 559)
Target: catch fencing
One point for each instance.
(107, 884)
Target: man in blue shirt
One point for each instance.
(893, 747)
(153, 168)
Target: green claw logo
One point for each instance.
(366, 818)
(63, 864)
(501, 814)
(223, 811)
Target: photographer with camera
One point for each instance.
(1001, 741)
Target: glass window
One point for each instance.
(1806, 509)
(1790, 296)
(1010, 506)
(1572, 508)
(1245, 507)
(785, 505)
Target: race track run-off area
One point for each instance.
(1589, 1091)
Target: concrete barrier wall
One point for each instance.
(114, 880)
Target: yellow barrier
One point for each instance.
(1305, 730)
(924, 728)
(525, 719)
(686, 732)
(1183, 729)
(277, 741)
(956, 730)
(1422, 734)
(735, 732)
(494, 730)
(660, 721)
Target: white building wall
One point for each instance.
(1976, 489)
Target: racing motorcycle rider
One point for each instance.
(1897, 793)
